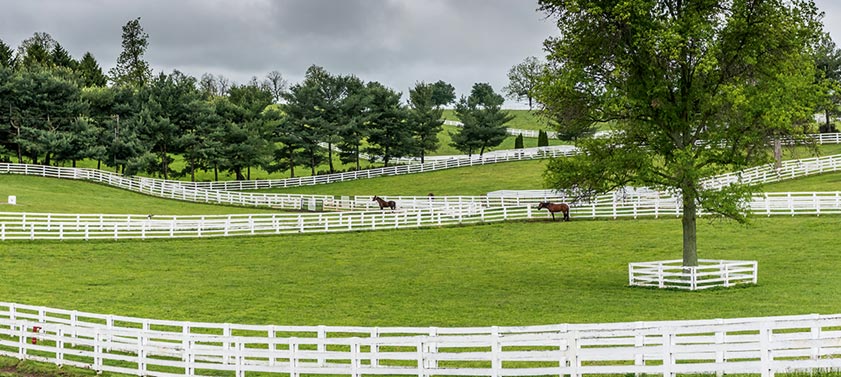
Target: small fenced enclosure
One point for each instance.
(149, 347)
(709, 273)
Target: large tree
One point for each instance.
(443, 93)
(276, 84)
(694, 87)
(389, 135)
(483, 120)
(424, 118)
(131, 70)
(522, 78)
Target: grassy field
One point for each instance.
(501, 274)
(51, 195)
(822, 182)
(475, 180)
(523, 119)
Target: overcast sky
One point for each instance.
(396, 42)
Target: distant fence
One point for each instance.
(169, 189)
(139, 346)
(38, 226)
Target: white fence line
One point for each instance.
(169, 189)
(39, 226)
(140, 346)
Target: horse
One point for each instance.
(555, 207)
(390, 204)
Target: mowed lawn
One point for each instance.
(52, 195)
(474, 180)
(502, 274)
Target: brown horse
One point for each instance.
(555, 207)
(390, 204)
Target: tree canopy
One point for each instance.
(694, 88)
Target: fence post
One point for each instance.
(765, 358)
(668, 357)
(321, 347)
(496, 352)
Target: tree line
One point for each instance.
(55, 110)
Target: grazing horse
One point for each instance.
(390, 204)
(555, 207)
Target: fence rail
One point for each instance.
(140, 346)
(708, 274)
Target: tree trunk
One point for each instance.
(215, 171)
(163, 163)
(192, 171)
(98, 164)
(291, 163)
(778, 153)
(690, 245)
(828, 123)
(357, 157)
(74, 163)
(330, 156)
(248, 173)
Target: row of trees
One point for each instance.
(54, 109)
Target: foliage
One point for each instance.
(695, 88)
(90, 71)
(7, 56)
(389, 135)
(483, 120)
(829, 69)
(443, 93)
(522, 79)
(518, 142)
(424, 118)
(542, 138)
(35, 51)
(131, 70)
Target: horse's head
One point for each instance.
(542, 205)
(374, 199)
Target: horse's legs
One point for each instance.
(566, 216)
(553, 215)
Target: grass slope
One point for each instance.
(475, 180)
(51, 195)
(501, 274)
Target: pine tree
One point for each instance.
(518, 142)
(90, 71)
(542, 139)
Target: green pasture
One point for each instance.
(474, 180)
(52, 195)
(814, 183)
(519, 273)
(523, 119)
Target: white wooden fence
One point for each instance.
(709, 273)
(139, 346)
(169, 189)
(38, 226)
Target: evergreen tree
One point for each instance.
(389, 136)
(542, 139)
(90, 71)
(7, 56)
(352, 120)
(61, 58)
(443, 94)
(424, 118)
(518, 142)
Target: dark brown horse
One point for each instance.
(390, 204)
(555, 207)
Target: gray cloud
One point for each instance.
(396, 42)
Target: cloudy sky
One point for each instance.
(396, 42)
